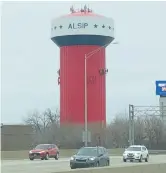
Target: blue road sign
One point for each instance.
(161, 88)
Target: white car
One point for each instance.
(136, 152)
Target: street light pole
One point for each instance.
(86, 117)
(88, 55)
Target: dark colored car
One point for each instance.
(44, 151)
(90, 157)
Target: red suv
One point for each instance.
(44, 151)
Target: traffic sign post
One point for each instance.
(86, 136)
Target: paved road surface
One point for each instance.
(49, 166)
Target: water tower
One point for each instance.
(81, 34)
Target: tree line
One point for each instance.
(149, 131)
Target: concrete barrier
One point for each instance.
(157, 151)
(63, 153)
(144, 168)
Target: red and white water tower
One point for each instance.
(77, 34)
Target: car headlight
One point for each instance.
(71, 158)
(30, 152)
(92, 158)
(124, 153)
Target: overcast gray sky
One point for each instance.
(30, 60)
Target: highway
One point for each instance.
(49, 166)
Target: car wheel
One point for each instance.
(97, 164)
(147, 158)
(107, 163)
(140, 160)
(124, 160)
(47, 156)
(42, 158)
(57, 156)
(31, 158)
(72, 167)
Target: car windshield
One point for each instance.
(88, 152)
(42, 146)
(133, 149)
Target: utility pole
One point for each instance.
(130, 135)
(131, 124)
(86, 133)
(86, 116)
(163, 114)
(162, 110)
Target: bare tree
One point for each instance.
(52, 117)
(46, 125)
(42, 121)
(118, 130)
(34, 119)
(149, 131)
(139, 130)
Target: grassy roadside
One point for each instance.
(19, 155)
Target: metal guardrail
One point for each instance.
(157, 151)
